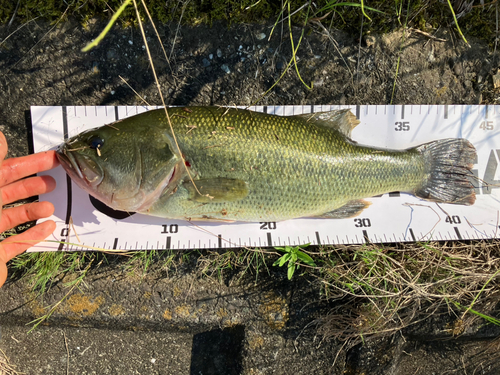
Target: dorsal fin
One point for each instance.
(342, 120)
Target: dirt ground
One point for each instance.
(41, 64)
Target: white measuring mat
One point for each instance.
(390, 218)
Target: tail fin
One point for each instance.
(449, 163)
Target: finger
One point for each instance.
(15, 216)
(3, 273)
(27, 188)
(16, 168)
(3, 265)
(17, 244)
(3, 147)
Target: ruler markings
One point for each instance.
(115, 244)
(69, 192)
(365, 236)
(479, 114)
(318, 240)
(412, 234)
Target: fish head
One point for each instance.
(125, 166)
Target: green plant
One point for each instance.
(293, 255)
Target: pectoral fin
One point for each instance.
(216, 190)
(351, 209)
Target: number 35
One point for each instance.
(402, 126)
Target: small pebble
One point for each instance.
(219, 52)
(260, 36)
(153, 360)
(319, 82)
(112, 92)
(211, 56)
(225, 68)
(130, 42)
(206, 63)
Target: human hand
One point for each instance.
(13, 187)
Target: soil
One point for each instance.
(266, 324)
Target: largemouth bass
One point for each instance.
(239, 165)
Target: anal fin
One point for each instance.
(351, 209)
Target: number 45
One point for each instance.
(486, 125)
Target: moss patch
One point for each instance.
(83, 305)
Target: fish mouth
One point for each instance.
(79, 167)
(68, 162)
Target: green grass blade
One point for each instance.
(331, 6)
(110, 24)
(456, 23)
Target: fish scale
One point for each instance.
(292, 167)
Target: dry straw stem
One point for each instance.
(6, 368)
(391, 285)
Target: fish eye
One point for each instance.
(96, 142)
